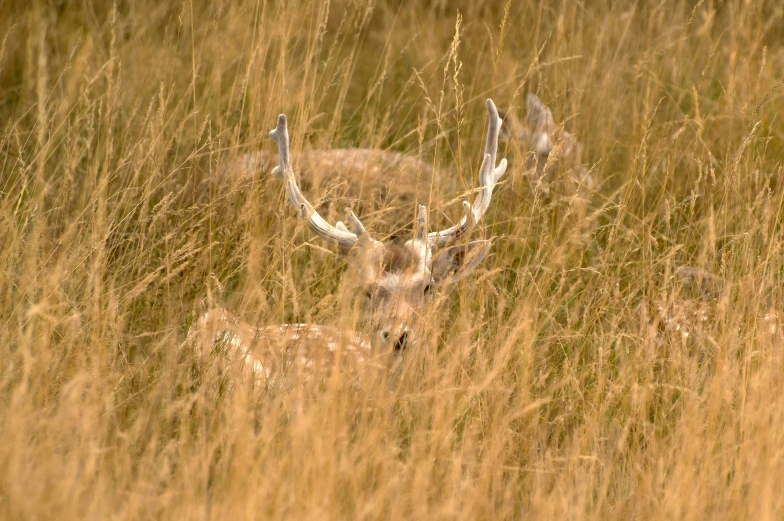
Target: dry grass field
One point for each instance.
(563, 380)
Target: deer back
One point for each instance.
(381, 184)
(267, 355)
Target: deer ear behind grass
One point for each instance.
(538, 113)
(456, 262)
(512, 129)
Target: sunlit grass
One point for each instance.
(548, 387)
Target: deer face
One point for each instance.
(396, 286)
(394, 283)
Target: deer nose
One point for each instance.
(400, 344)
(400, 339)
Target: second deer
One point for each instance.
(386, 183)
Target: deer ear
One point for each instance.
(511, 128)
(456, 262)
(538, 113)
(506, 126)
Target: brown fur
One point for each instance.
(263, 355)
(381, 185)
(397, 259)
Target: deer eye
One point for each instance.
(368, 294)
(428, 289)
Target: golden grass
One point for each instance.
(548, 389)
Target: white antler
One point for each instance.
(489, 174)
(338, 233)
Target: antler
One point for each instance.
(489, 174)
(338, 233)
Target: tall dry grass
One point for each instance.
(548, 389)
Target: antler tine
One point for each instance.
(354, 224)
(281, 136)
(489, 174)
(320, 227)
(420, 232)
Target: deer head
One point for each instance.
(546, 142)
(395, 284)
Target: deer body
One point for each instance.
(382, 182)
(687, 317)
(394, 284)
(265, 354)
(386, 184)
(372, 167)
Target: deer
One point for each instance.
(687, 317)
(394, 284)
(376, 167)
(385, 182)
(393, 181)
(547, 146)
